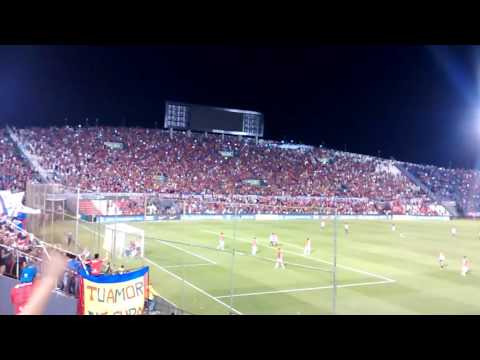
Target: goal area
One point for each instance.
(123, 240)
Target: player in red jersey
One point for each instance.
(254, 246)
(279, 261)
(221, 242)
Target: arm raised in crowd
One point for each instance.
(43, 289)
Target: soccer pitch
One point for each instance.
(378, 271)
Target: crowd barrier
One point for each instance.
(263, 217)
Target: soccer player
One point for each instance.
(454, 231)
(346, 229)
(308, 247)
(322, 225)
(441, 260)
(273, 239)
(254, 246)
(279, 261)
(394, 228)
(465, 266)
(221, 242)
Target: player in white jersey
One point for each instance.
(465, 266)
(308, 247)
(221, 242)
(322, 224)
(273, 239)
(394, 228)
(441, 260)
(346, 229)
(254, 246)
(454, 231)
(279, 261)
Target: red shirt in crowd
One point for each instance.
(19, 296)
(96, 266)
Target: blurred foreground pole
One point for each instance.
(334, 295)
(233, 257)
(77, 217)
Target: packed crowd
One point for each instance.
(310, 205)
(459, 185)
(14, 172)
(154, 161)
(146, 161)
(20, 250)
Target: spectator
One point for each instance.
(22, 292)
(38, 295)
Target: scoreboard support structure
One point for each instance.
(183, 116)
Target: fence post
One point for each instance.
(77, 217)
(18, 272)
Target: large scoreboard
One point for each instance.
(213, 119)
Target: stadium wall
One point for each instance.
(57, 305)
(262, 217)
(126, 218)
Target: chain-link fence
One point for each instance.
(207, 254)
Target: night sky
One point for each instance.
(415, 103)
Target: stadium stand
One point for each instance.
(155, 161)
(14, 172)
(457, 185)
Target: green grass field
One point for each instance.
(379, 271)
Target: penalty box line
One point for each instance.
(209, 262)
(194, 287)
(186, 265)
(307, 289)
(384, 278)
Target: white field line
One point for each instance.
(306, 289)
(294, 264)
(194, 287)
(186, 251)
(97, 233)
(211, 262)
(168, 244)
(318, 260)
(186, 265)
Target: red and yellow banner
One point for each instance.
(123, 294)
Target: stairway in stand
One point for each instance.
(87, 208)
